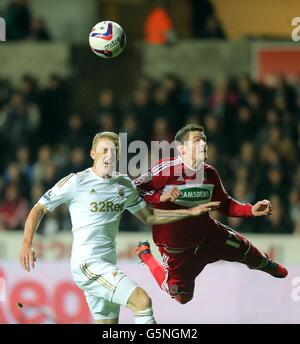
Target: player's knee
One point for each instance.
(144, 300)
(183, 298)
(241, 247)
(140, 300)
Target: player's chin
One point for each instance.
(108, 170)
(105, 171)
(202, 159)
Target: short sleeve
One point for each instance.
(62, 192)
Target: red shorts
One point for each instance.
(181, 269)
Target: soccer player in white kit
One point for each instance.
(96, 199)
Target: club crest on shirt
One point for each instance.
(121, 191)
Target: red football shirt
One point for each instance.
(189, 232)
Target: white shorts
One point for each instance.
(105, 288)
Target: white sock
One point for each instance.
(144, 317)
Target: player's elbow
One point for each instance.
(150, 220)
(146, 219)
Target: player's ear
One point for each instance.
(180, 148)
(93, 153)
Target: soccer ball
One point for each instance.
(107, 39)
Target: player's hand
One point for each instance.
(204, 208)
(262, 208)
(27, 257)
(170, 195)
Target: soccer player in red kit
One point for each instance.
(187, 246)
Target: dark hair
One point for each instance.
(182, 134)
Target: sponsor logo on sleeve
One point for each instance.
(48, 195)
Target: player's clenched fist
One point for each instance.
(170, 195)
(262, 208)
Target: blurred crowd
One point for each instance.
(253, 133)
(21, 24)
(159, 26)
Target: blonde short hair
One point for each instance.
(107, 135)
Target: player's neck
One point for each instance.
(192, 165)
(99, 174)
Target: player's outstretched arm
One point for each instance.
(262, 208)
(27, 255)
(159, 216)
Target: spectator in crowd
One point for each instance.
(55, 104)
(159, 27)
(5, 91)
(76, 163)
(29, 89)
(131, 127)
(49, 176)
(17, 123)
(163, 107)
(24, 163)
(161, 130)
(205, 23)
(245, 126)
(294, 206)
(36, 193)
(278, 222)
(197, 103)
(106, 101)
(247, 159)
(18, 19)
(13, 209)
(21, 25)
(142, 107)
(193, 118)
(105, 122)
(44, 156)
(76, 132)
(38, 30)
(13, 175)
(214, 131)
